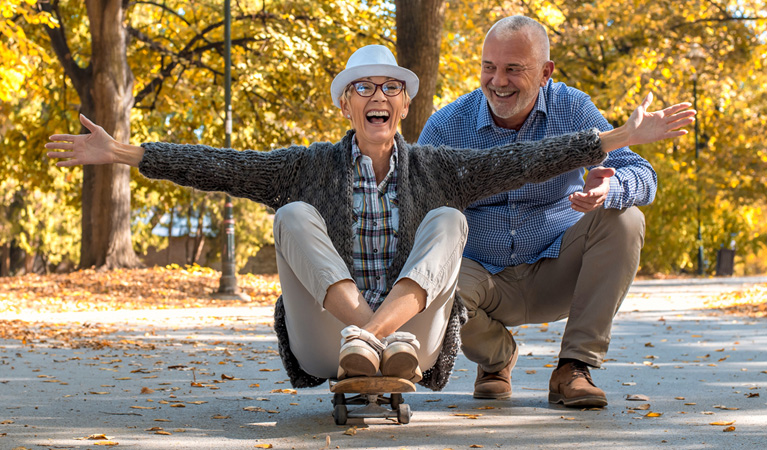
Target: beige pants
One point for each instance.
(308, 264)
(587, 284)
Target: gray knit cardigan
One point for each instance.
(321, 175)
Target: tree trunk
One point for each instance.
(5, 260)
(105, 89)
(419, 35)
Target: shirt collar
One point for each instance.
(485, 118)
(356, 153)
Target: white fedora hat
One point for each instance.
(372, 61)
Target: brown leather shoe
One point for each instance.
(572, 385)
(496, 385)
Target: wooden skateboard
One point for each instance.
(372, 393)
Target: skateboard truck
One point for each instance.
(374, 394)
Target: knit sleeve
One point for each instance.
(250, 174)
(482, 173)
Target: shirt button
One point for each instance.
(375, 224)
(513, 255)
(513, 232)
(378, 278)
(375, 250)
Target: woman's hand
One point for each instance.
(645, 127)
(98, 147)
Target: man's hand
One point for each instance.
(594, 191)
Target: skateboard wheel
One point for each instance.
(403, 413)
(340, 414)
(339, 399)
(396, 400)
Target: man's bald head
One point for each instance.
(507, 27)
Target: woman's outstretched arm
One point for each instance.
(645, 127)
(98, 147)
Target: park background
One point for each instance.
(154, 71)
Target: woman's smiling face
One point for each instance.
(375, 119)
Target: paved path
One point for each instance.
(167, 384)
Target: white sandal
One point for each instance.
(399, 358)
(360, 353)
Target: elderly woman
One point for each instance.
(369, 231)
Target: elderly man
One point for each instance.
(563, 248)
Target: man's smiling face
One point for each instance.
(512, 72)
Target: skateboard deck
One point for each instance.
(373, 394)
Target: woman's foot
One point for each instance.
(400, 358)
(360, 353)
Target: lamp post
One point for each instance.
(697, 57)
(227, 288)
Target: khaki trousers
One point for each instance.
(586, 284)
(308, 264)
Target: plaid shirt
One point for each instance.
(376, 220)
(527, 224)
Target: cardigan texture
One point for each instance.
(322, 173)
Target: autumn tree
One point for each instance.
(419, 34)
(104, 84)
(160, 66)
(617, 52)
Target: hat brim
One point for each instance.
(372, 70)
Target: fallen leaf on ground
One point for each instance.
(219, 416)
(146, 390)
(653, 414)
(283, 391)
(351, 431)
(728, 429)
(642, 407)
(637, 398)
(722, 423)
(468, 416)
(263, 446)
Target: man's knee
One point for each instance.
(471, 281)
(625, 224)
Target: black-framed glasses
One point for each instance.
(390, 88)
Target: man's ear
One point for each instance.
(548, 71)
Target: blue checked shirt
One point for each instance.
(527, 224)
(376, 220)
